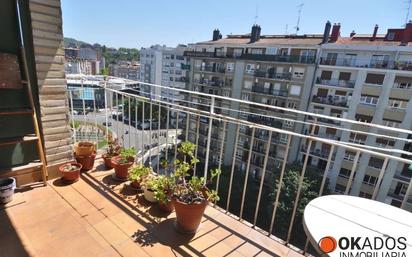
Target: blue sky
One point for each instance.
(137, 23)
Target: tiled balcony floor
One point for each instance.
(98, 216)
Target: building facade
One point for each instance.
(365, 78)
(125, 69)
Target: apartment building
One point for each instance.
(368, 78)
(125, 69)
(84, 60)
(164, 66)
(270, 69)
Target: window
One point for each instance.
(375, 79)
(344, 173)
(367, 99)
(349, 156)
(230, 66)
(248, 84)
(344, 76)
(340, 188)
(292, 105)
(391, 123)
(250, 68)
(295, 90)
(370, 180)
(384, 142)
(365, 195)
(363, 118)
(226, 93)
(397, 103)
(239, 153)
(402, 85)
(298, 73)
(245, 97)
(288, 124)
(326, 75)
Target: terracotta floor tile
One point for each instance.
(130, 248)
(110, 232)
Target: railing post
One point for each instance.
(105, 110)
(352, 173)
(301, 178)
(143, 133)
(209, 136)
(380, 177)
(158, 138)
(72, 111)
(150, 131)
(197, 142)
(262, 179)
(407, 195)
(167, 133)
(222, 145)
(130, 121)
(233, 168)
(247, 172)
(176, 131)
(279, 186)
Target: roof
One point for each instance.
(268, 40)
(360, 40)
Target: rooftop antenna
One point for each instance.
(299, 14)
(256, 14)
(408, 10)
(286, 29)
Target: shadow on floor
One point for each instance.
(10, 242)
(157, 231)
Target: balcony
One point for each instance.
(272, 75)
(336, 82)
(331, 100)
(254, 57)
(262, 90)
(367, 63)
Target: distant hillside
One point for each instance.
(111, 54)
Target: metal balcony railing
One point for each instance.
(367, 63)
(336, 82)
(330, 100)
(140, 108)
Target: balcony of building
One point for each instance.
(372, 63)
(336, 82)
(332, 100)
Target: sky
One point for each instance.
(138, 23)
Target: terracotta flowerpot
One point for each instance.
(188, 216)
(72, 175)
(121, 169)
(108, 161)
(149, 195)
(87, 161)
(166, 207)
(84, 148)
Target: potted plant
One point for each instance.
(163, 192)
(7, 186)
(123, 162)
(87, 161)
(113, 149)
(137, 174)
(84, 148)
(149, 185)
(70, 171)
(190, 196)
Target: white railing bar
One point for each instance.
(105, 111)
(352, 173)
(197, 143)
(143, 132)
(130, 121)
(72, 111)
(233, 168)
(247, 172)
(380, 177)
(407, 194)
(158, 138)
(222, 146)
(262, 179)
(177, 127)
(209, 136)
(167, 134)
(279, 185)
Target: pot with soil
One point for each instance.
(149, 185)
(87, 161)
(7, 186)
(123, 162)
(190, 197)
(113, 149)
(84, 148)
(137, 174)
(163, 192)
(70, 171)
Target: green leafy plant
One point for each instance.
(139, 172)
(127, 155)
(193, 190)
(162, 186)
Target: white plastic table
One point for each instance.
(341, 217)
